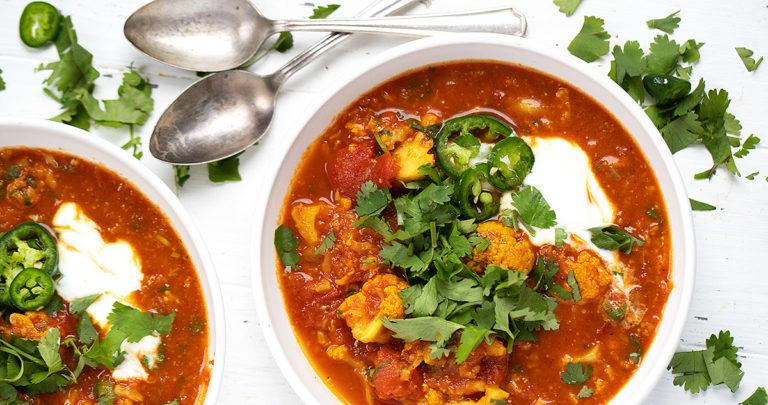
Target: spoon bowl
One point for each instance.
(217, 118)
(198, 35)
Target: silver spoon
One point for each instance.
(226, 112)
(212, 36)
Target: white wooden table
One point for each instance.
(732, 276)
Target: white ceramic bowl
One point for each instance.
(64, 138)
(269, 302)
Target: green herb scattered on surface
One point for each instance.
(760, 397)
(746, 58)
(591, 42)
(667, 24)
(286, 245)
(701, 206)
(696, 370)
(567, 7)
(323, 11)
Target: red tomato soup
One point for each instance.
(163, 361)
(419, 278)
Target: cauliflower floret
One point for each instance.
(590, 273)
(509, 249)
(412, 154)
(304, 216)
(378, 297)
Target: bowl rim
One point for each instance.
(687, 248)
(108, 151)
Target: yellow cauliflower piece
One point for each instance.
(509, 249)
(412, 154)
(378, 297)
(304, 217)
(590, 273)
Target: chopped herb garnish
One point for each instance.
(751, 176)
(746, 58)
(286, 245)
(560, 236)
(614, 238)
(575, 291)
(585, 392)
(372, 200)
(370, 373)
(591, 42)
(667, 24)
(136, 324)
(2, 82)
(652, 212)
(197, 324)
(327, 243)
(574, 374)
(533, 208)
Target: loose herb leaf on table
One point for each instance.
(667, 24)
(696, 370)
(567, 7)
(746, 58)
(591, 42)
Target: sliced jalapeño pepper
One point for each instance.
(666, 89)
(459, 140)
(39, 24)
(478, 199)
(31, 289)
(511, 159)
(29, 245)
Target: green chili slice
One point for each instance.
(511, 159)
(477, 198)
(460, 138)
(666, 89)
(25, 246)
(39, 24)
(31, 289)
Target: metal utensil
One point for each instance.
(218, 35)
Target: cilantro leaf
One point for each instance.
(574, 375)
(689, 50)
(471, 337)
(696, 370)
(53, 306)
(751, 176)
(628, 62)
(428, 328)
(560, 236)
(591, 42)
(533, 208)
(748, 145)
(137, 324)
(327, 243)
(760, 397)
(286, 245)
(2, 82)
(180, 175)
(575, 291)
(323, 11)
(107, 351)
(372, 200)
(585, 392)
(682, 131)
(664, 55)
(701, 206)
(49, 350)
(133, 105)
(746, 58)
(79, 305)
(667, 24)
(86, 333)
(225, 169)
(284, 42)
(614, 238)
(567, 7)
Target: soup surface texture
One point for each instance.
(129, 307)
(436, 262)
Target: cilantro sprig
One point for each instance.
(696, 370)
(591, 42)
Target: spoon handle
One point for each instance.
(380, 7)
(503, 21)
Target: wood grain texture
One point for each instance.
(731, 242)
